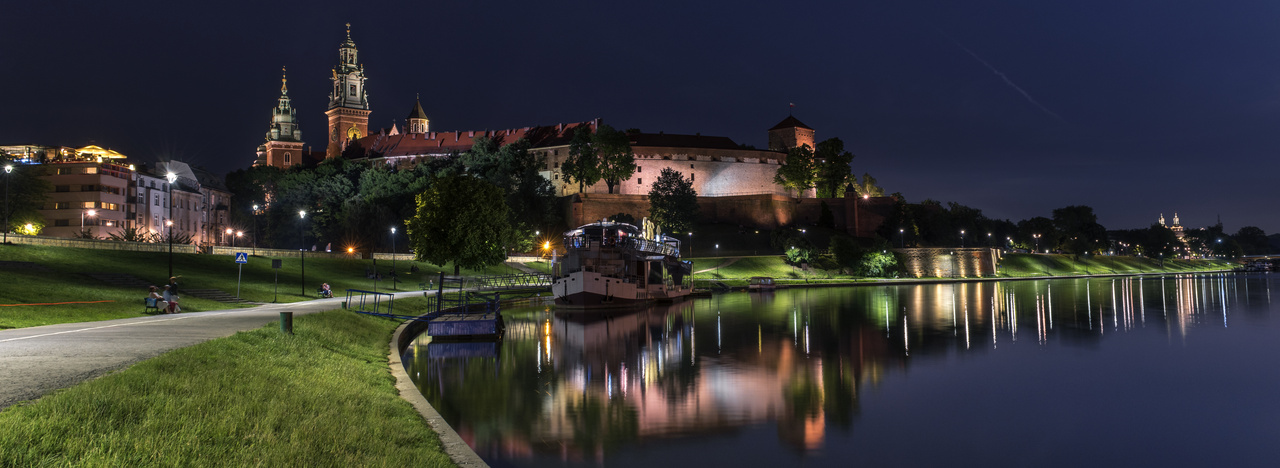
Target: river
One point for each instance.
(1174, 370)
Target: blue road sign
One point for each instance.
(242, 257)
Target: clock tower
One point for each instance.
(348, 103)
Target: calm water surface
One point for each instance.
(1174, 371)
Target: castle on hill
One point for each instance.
(717, 166)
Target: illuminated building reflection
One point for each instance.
(578, 387)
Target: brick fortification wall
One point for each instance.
(949, 263)
(715, 172)
(767, 211)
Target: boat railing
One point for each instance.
(643, 245)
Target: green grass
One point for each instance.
(62, 277)
(322, 397)
(1022, 265)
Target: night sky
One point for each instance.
(1012, 107)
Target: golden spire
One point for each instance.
(284, 81)
(348, 31)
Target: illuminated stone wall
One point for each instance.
(766, 211)
(949, 262)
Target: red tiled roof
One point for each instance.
(412, 144)
(791, 122)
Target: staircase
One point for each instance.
(213, 295)
(123, 280)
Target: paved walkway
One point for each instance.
(38, 360)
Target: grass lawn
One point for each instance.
(322, 397)
(1019, 265)
(62, 277)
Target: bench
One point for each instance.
(149, 304)
(320, 293)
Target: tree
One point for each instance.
(831, 168)
(868, 187)
(1081, 233)
(797, 172)
(1253, 240)
(617, 162)
(461, 219)
(583, 164)
(515, 169)
(27, 193)
(1038, 232)
(673, 204)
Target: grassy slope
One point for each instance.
(63, 280)
(322, 397)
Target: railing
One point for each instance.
(642, 245)
(100, 244)
(514, 281)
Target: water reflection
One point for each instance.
(597, 388)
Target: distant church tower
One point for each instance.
(790, 133)
(348, 104)
(284, 140)
(418, 122)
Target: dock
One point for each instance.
(479, 325)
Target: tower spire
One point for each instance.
(284, 81)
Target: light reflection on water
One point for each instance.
(839, 376)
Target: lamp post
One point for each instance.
(962, 238)
(302, 252)
(8, 169)
(228, 239)
(171, 177)
(254, 236)
(1037, 237)
(233, 240)
(902, 238)
(82, 214)
(393, 257)
(989, 244)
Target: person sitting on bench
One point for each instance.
(325, 291)
(158, 300)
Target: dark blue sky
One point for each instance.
(1016, 108)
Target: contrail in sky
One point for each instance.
(1003, 77)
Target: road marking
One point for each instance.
(112, 326)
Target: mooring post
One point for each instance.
(286, 323)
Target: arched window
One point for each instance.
(286, 158)
(353, 90)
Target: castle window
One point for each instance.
(353, 90)
(691, 166)
(639, 168)
(693, 176)
(639, 181)
(286, 158)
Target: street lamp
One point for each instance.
(233, 241)
(962, 238)
(989, 244)
(227, 239)
(254, 236)
(393, 257)
(302, 252)
(8, 169)
(82, 213)
(1037, 236)
(171, 177)
(902, 238)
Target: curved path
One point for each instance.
(38, 360)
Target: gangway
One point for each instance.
(513, 282)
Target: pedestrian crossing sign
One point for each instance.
(242, 257)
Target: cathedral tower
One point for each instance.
(284, 140)
(348, 103)
(418, 121)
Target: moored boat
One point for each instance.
(760, 284)
(608, 264)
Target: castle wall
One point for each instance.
(949, 262)
(714, 172)
(767, 211)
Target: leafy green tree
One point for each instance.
(1081, 233)
(1038, 232)
(461, 219)
(1253, 240)
(1159, 242)
(250, 187)
(798, 171)
(583, 164)
(673, 204)
(27, 193)
(867, 187)
(530, 196)
(832, 171)
(617, 162)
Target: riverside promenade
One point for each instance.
(38, 360)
